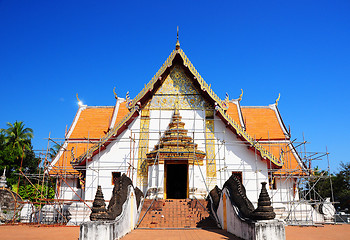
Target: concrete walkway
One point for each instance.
(181, 234)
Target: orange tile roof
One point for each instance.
(232, 111)
(63, 165)
(262, 123)
(92, 123)
(291, 164)
(122, 111)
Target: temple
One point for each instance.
(177, 139)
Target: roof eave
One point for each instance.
(109, 138)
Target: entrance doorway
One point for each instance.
(176, 181)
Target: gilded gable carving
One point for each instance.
(178, 86)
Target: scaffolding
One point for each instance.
(294, 204)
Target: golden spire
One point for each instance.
(177, 46)
(176, 106)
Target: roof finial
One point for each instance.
(177, 46)
(279, 95)
(240, 96)
(115, 95)
(80, 103)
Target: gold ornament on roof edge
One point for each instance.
(279, 95)
(240, 96)
(115, 95)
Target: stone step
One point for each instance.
(173, 213)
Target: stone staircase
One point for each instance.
(175, 213)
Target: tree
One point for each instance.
(54, 150)
(18, 138)
(16, 150)
(17, 155)
(341, 186)
(36, 192)
(320, 185)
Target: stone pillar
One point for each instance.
(3, 179)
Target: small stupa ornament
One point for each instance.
(3, 179)
(264, 211)
(98, 211)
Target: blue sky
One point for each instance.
(51, 50)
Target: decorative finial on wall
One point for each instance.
(279, 95)
(177, 46)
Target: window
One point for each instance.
(115, 176)
(238, 175)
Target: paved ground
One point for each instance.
(193, 234)
(326, 232)
(30, 232)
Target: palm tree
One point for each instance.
(18, 137)
(54, 150)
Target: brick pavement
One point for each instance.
(179, 234)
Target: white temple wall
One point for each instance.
(156, 179)
(67, 191)
(115, 158)
(284, 194)
(195, 124)
(234, 155)
(197, 184)
(230, 152)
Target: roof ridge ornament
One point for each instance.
(177, 46)
(80, 103)
(279, 96)
(240, 96)
(227, 99)
(115, 94)
(129, 101)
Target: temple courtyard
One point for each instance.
(41, 232)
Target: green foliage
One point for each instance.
(16, 150)
(322, 186)
(54, 150)
(18, 138)
(341, 186)
(37, 193)
(16, 154)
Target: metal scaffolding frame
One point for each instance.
(223, 170)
